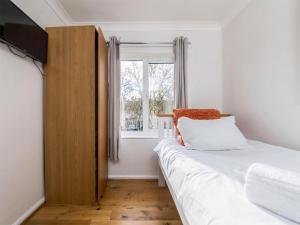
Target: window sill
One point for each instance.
(139, 137)
(150, 134)
(153, 134)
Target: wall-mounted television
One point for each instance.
(21, 32)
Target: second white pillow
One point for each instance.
(211, 135)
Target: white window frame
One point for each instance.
(145, 98)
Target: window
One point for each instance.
(147, 88)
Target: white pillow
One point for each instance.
(214, 135)
(230, 119)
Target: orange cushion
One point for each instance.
(196, 114)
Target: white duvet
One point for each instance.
(209, 185)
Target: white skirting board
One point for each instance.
(30, 211)
(132, 177)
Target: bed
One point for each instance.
(208, 186)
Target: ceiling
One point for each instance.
(152, 10)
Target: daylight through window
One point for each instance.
(147, 88)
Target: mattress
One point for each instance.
(209, 185)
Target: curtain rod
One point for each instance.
(147, 43)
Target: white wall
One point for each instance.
(137, 158)
(262, 71)
(21, 136)
(21, 129)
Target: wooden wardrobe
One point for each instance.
(76, 115)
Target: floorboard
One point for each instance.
(125, 202)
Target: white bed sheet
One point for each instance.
(209, 185)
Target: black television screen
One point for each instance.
(21, 32)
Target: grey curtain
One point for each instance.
(181, 50)
(114, 98)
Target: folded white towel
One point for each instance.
(275, 189)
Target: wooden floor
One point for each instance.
(134, 202)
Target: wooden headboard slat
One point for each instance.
(165, 115)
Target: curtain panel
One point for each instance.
(181, 52)
(114, 98)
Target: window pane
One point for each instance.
(161, 90)
(131, 95)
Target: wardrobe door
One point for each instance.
(102, 114)
(70, 120)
